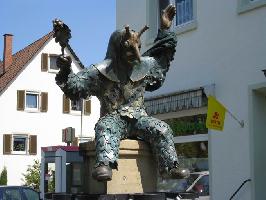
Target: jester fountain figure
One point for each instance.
(119, 82)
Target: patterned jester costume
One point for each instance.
(120, 90)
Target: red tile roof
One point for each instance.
(55, 148)
(22, 57)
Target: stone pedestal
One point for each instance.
(137, 171)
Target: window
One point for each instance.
(184, 11)
(32, 101)
(19, 144)
(75, 107)
(52, 63)
(185, 18)
(247, 5)
(48, 63)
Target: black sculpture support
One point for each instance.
(119, 82)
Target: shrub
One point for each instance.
(3, 177)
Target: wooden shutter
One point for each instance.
(44, 66)
(20, 99)
(87, 107)
(66, 104)
(44, 102)
(33, 144)
(7, 139)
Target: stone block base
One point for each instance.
(137, 171)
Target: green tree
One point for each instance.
(3, 177)
(32, 175)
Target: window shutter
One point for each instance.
(44, 102)
(66, 104)
(20, 99)
(33, 144)
(44, 66)
(87, 107)
(7, 143)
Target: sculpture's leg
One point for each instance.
(108, 132)
(160, 137)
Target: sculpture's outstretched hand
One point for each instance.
(63, 62)
(167, 17)
(62, 33)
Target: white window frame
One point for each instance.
(247, 5)
(188, 26)
(37, 109)
(153, 16)
(49, 64)
(25, 152)
(76, 112)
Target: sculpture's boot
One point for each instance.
(179, 173)
(102, 173)
(176, 172)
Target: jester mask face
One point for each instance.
(130, 45)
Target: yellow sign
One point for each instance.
(215, 114)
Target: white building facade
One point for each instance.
(221, 45)
(33, 110)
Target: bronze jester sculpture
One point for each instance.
(119, 82)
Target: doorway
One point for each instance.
(258, 140)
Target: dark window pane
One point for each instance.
(76, 105)
(19, 143)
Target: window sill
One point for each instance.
(53, 71)
(246, 5)
(19, 153)
(75, 113)
(185, 27)
(32, 110)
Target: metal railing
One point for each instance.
(176, 102)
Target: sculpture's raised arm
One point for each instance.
(163, 50)
(75, 86)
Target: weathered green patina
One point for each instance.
(119, 82)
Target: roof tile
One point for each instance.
(20, 59)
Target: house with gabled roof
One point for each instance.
(33, 109)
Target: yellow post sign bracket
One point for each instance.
(216, 115)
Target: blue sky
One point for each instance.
(91, 23)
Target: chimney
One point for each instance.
(7, 56)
